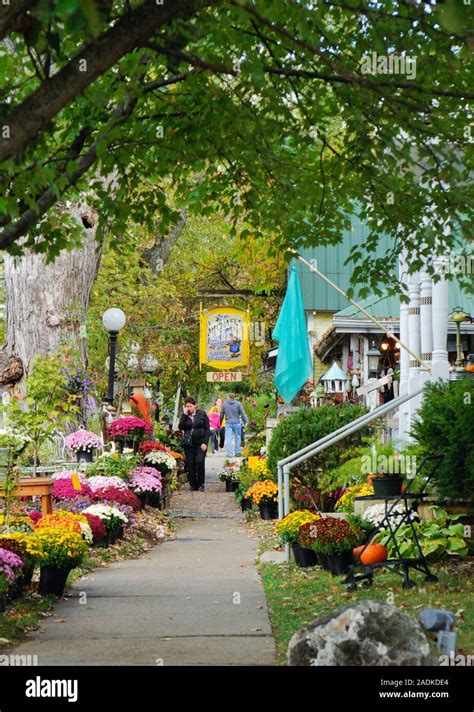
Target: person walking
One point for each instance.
(214, 414)
(196, 433)
(233, 412)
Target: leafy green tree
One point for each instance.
(264, 109)
(46, 406)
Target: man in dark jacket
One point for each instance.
(195, 426)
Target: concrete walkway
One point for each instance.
(197, 600)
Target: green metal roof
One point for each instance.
(390, 306)
(319, 296)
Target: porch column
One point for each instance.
(404, 355)
(440, 363)
(414, 342)
(426, 322)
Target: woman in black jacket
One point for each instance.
(195, 426)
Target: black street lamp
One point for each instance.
(114, 320)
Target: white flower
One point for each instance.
(99, 481)
(86, 532)
(375, 514)
(104, 512)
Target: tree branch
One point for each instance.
(10, 13)
(157, 255)
(132, 30)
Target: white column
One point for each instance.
(414, 342)
(404, 355)
(426, 323)
(440, 306)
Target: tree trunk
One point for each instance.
(46, 303)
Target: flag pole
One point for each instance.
(361, 309)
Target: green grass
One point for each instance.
(23, 616)
(296, 597)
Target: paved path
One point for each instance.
(197, 600)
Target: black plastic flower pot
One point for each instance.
(129, 445)
(144, 498)
(387, 486)
(15, 589)
(101, 543)
(155, 500)
(245, 504)
(27, 575)
(268, 511)
(111, 536)
(52, 580)
(231, 486)
(323, 561)
(304, 557)
(338, 564)
(120, 532)
(84, 455)
(3, 602)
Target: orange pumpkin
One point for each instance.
(373, 554)
(470, 367)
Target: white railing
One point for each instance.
(288, 463)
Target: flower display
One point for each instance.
(345, 503)
(260, 469)
(10, 564)
(83, 440)
(145, 479)
(67, 474)
(35, 516)
(110, 516)
(68, 521)
(151, 446)
(64, 488)
(98, 528)
(162, 460)
(100, 481)
(73, 504)
(16, 546)
(25, 540)
(288, 528)
(129, 428)
(114, 464)
(229, 474)
(59, 547)
(329, 535)
(118, 495)
(265, 492)
(375, 514)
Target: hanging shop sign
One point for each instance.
(224, 339)
(224, 376)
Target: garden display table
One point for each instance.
(392, 520)
(36, 487)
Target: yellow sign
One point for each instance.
(76, 482)
(224, 340)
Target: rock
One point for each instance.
(371, 633)
(273, 557)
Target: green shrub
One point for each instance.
(310, 424)
(445, 425)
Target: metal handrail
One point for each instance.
(288, 463)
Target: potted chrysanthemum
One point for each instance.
(84, 444)
(288, 530)
(129, 432)
(58, 551)
(146, 483)
(333, 539)
(265, 496)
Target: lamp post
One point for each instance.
(373, 360)
(458, 316)
(114, 320)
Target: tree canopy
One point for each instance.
(261, 108)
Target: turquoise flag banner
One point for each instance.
(293, 366)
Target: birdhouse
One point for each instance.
(334, 381)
